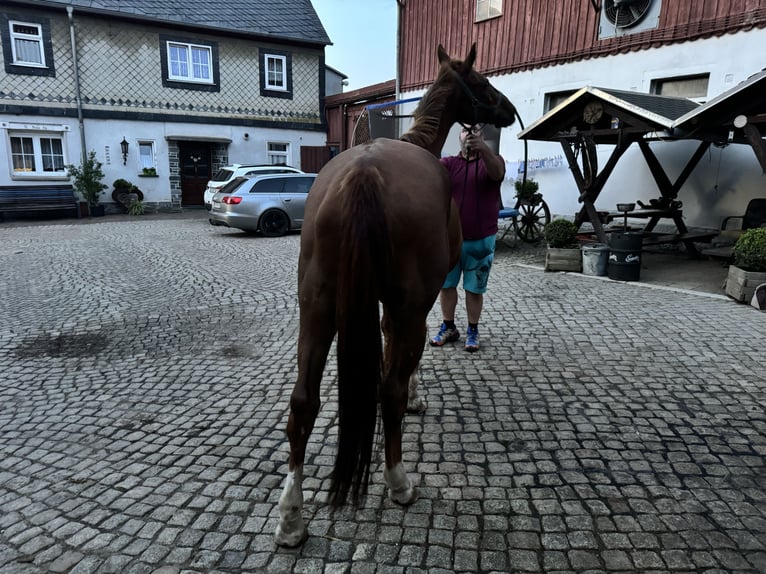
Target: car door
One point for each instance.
(294, 195)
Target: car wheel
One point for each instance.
(274, 223)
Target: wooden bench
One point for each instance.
(38, 198)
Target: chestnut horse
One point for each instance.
(380, 226)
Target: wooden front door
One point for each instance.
(195, 159)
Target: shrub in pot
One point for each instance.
(527, 191)
(561, 233)
(563, 249)
(749, 269)
(88, 182)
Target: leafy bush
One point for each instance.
(87, 179)
(750, 250)
(561, 233)
(122, 184)
(526, 190)
(136, 207)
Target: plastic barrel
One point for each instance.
(595, 257)
(625, 256)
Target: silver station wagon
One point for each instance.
(272, 204)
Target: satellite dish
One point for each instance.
(626, 13)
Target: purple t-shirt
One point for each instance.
(476, 195)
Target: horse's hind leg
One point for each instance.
(317, 329)
(405, 339)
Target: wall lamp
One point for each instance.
(124, 147)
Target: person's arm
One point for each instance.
(494, 163)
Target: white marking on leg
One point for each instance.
(400, 488)
(291, 530)
(415, 403)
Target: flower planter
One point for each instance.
(741, 284)
(563, 259)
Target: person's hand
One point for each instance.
(476, 144)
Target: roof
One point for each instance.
(634, 110)
(714, 120)
(294, 20)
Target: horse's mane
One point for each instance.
(428, 114)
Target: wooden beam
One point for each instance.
(658, 173)
(757, 143)
(689, 167)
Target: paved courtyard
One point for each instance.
(145, 370)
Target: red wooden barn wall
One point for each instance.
(535, 33)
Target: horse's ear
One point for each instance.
(471, 58)
(442, 53)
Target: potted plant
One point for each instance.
(88, 182)
(148, 172)
(563, 252)
(125, 193)
(527, 191)
(749, 268)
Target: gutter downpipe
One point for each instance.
(83, 150)
(397, 88)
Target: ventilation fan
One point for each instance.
(626, 13)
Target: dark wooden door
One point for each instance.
(195, 159)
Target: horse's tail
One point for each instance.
(363, 253)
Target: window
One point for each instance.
(279, 153)
(486, 9)
(298, 185)
(692, 87)
(276, 74)
(553, 99)
(189, 64)
(37, 155)
(272, 185)
(146, 155)
(26, 45)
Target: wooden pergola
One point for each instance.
(620, 118)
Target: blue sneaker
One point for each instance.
(472, 339)
(445, 335)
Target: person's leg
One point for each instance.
(479, 257)
(474, 302)
(448, 302)
(448, 332)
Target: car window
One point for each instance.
(233, 185)
(298, 184)
(271, 185)
(222, 175)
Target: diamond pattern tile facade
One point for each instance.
(120, 71)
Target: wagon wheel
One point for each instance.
(531, 221)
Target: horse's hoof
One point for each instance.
(291, 539)
(417, 406)
(404, 497)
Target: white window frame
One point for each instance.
(487, 9)
(268, 79)
(278, 156)
(36, 38)
(36, 158)
(189, 64)
(146, 155)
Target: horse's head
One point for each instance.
(477, 100)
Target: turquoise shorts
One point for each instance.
(475, 263)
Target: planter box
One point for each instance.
(558, 259)
(741, 284)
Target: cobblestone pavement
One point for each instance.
(145, 369)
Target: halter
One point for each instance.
(475, 102)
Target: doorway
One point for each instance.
(195, 161)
